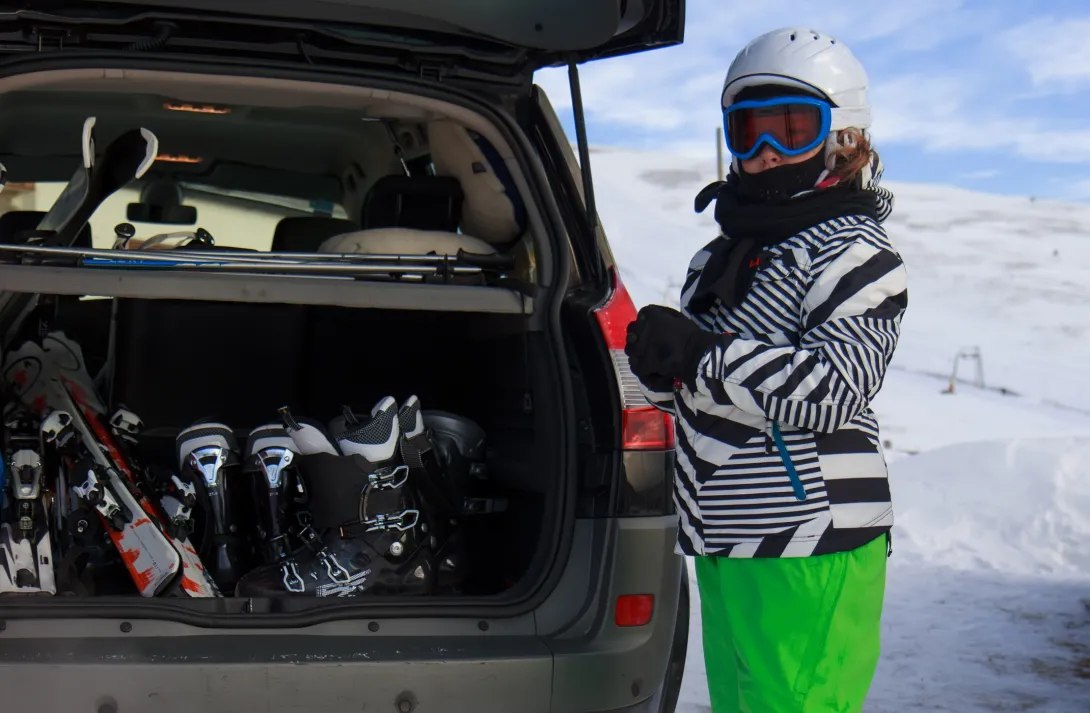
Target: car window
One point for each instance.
(234, 218)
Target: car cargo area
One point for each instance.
(296, 361)
(174, 364)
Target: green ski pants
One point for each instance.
(792, 635)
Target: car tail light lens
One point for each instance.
(644, 427)
(634, 609)
(647, 429)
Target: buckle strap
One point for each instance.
(293, 582)
(334, 569)
(388, 478)
(414, 449)
(382, 522)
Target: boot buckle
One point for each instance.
(273, 461)
(310, 538)
(386, 479)
(292, 581)
(402, 521)
(340, 575)
(209, 462)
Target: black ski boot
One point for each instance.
(446, 453)
(270, 456)
(364, 532)
(208, 458)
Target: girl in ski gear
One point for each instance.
(788, 322)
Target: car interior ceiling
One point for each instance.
(430, 174)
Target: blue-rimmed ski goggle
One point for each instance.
(792, 125)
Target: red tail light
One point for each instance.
(634, 609)
(644, 427)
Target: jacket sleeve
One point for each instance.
(662, 400)
(851, 323)
(658, 395)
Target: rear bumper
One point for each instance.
(537, 663)
(313, 673)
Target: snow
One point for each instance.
(988, 597)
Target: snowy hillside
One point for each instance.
(1008, 275)
(988, 605)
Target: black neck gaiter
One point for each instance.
(781, 182)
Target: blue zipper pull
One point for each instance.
(785, 456)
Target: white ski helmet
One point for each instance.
(805, 59)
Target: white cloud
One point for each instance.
(1054, 51)
(952, 114)
(979, 175)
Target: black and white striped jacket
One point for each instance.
(781, 405)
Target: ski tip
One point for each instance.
(151, 152)
(89, 142)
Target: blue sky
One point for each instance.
(992, 96)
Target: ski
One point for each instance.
(26, 562)
(126, 158)
(76, 191)
(151, 559)
(51, 377)
(26, 551)
(195, 581)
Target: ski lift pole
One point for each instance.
(973, 353)
(581, 137)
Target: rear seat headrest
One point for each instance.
(419, 202)
(405, 241)
(493, 209)
(304, 234)
(16, 221)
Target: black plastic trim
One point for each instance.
(532, 35)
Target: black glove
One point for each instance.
(656, 382)
(662, 344)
